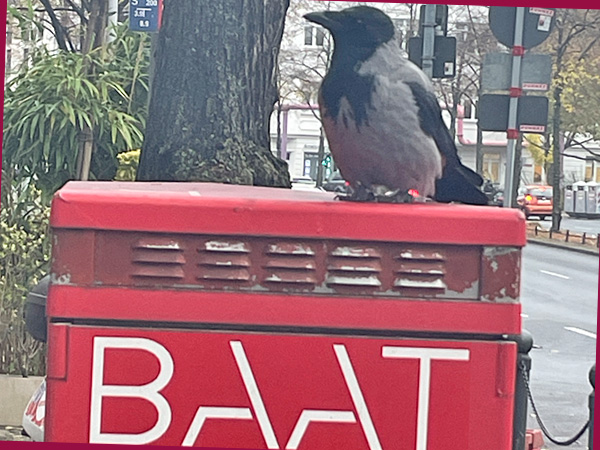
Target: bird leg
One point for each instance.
(394, 196)
(380, 194)
(358, 193)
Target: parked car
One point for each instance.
(336, 183)
(536, 200)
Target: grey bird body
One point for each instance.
(380, 114)
(366, 154)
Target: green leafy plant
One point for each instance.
(24, 258)
(49, 104)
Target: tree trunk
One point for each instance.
(557, 194)
(213, 92)
(94, 37)
(518, 169)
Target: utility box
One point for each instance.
(570, 200)
(580, 189)
(245, 317)
(593, 200)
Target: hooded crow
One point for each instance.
(381, 117)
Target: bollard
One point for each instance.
(592, 378)
(524, 345)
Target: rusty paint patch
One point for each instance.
(501, 274)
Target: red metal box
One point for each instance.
(230, 316)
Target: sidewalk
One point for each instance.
(8, 433)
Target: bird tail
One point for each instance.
(470, 175)
(459, 184)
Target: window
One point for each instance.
(491, 167)
(314, 36)
(589, 169)
(538, 173)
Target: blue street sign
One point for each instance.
(144, 15)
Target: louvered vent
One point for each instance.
(420, 272)
(225, 261)
(158, 258)
(290, 266)
(354, 267)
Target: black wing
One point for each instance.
(458, 182)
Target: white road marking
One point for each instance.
(554, 274)
(525, 316)
(582, 332)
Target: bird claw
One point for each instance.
(359, 193)
(396, 196)
(380, 194)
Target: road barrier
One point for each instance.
(587, 239)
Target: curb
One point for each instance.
(10, 433)
(563, 245)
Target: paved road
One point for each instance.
(560, 304)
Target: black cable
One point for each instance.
(539, 420)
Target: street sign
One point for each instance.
(444, 63)
(145, 15)
(538, 23)
(441, 18)
(536, 72)
(532, 115)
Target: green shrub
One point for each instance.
(24, 260)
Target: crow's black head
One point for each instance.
(360, 27)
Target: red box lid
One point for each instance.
(259, 211)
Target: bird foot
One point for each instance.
(397, 196)
(358, 194)
(381, 194)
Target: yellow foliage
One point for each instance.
(128, 165)
(537, 148)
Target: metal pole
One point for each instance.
(591, 406)
(428, 40)
(515, 92)
(524, 345)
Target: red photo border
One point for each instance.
(575, 4)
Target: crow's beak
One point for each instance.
(328, 19)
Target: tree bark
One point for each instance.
(557, 175)
(213, 92)
(94, 37)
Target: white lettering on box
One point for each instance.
(149, 392)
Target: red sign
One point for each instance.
(535, 86)
(279, 391)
